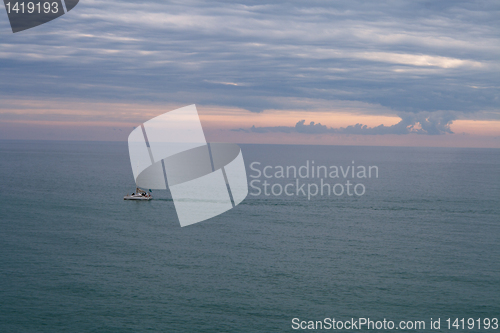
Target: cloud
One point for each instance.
(420, 123)
(410, 57)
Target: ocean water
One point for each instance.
(422, 242)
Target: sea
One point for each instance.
(420, 244)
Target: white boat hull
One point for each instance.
(136, 197)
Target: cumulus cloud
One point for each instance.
(419, 123)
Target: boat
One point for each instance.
(138, 195)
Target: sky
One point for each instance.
(410, 73)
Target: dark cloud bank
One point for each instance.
(421, 123)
